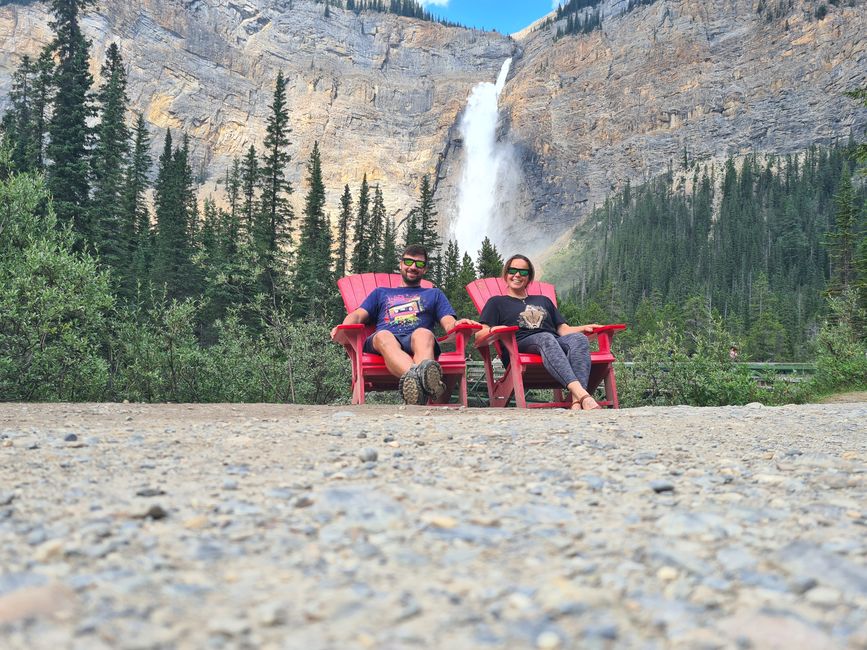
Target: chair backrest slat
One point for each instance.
(355, 288)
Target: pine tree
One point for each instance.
(249, 182)
(233, 188)
(843, 239)
(411, 232)
(172, 265)
(489, 262)
(466, 274)
(112, 234)
(69, 133)
(273, 232)
(18, 122)
(26, 121)
(314, 280)
(344, 222)
(389, 254)
(136, 216)
(377, 228)
(361, 248)
(427, 218)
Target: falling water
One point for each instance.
(484, 158)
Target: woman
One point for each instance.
(564, 349)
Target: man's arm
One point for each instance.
(353, 318)
(448, 322)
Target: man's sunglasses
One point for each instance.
(522, 272)
(419, 264)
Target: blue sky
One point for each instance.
(506, 16)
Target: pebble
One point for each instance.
(661, 485)
(368, 455)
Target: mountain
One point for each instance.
(383, 94)
(379, 92)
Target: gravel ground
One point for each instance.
(270, 526)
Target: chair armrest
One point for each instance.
(348, 334)
(605, 333)
(464, 329)
(460, 334)
(504, 334)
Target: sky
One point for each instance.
(506, 16)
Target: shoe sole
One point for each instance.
(432, 379)
(411, 389)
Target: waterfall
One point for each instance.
(484, 159)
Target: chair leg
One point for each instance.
(611, 388)
(463, 388)
(518, 386)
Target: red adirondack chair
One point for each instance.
(526, 371)
(368, 370)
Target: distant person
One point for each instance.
(564, 349)
(733, 353)
(405, 317)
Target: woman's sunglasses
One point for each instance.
(522, 272)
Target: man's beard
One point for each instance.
(410, 282)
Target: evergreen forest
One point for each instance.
(119, 279)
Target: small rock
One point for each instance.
(303, 502)
(659, 486)
(667, 573)
(368, 455)
(230, 484)
(548, 640)
(150, 492)
(70, 437)
(823, 596)
(6, 498)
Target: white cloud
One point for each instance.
(438, 3)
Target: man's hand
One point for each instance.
(588, 329)
(466, 321)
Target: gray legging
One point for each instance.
(566, 358)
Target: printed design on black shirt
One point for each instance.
(403, 310)
(531, 318)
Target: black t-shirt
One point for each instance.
(532, 314)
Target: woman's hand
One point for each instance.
(588, 329)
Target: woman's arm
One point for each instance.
(577, 329)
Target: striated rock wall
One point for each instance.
(589, 112)
(378, 92)
(383, 94)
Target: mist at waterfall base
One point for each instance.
(491, 175)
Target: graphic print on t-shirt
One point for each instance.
(531, 318)
(403, 310)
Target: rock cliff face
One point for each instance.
(383, 94)
(379, 92)
(589, 112)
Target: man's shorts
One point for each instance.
(403, 339)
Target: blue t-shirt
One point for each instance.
(402, 310)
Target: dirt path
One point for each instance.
(268, 526)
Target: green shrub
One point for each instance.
(841, 360)
(53, 303)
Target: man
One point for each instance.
(405, 317)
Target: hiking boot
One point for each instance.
(431, 374)
(410, 387)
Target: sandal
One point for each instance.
(590, 397)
